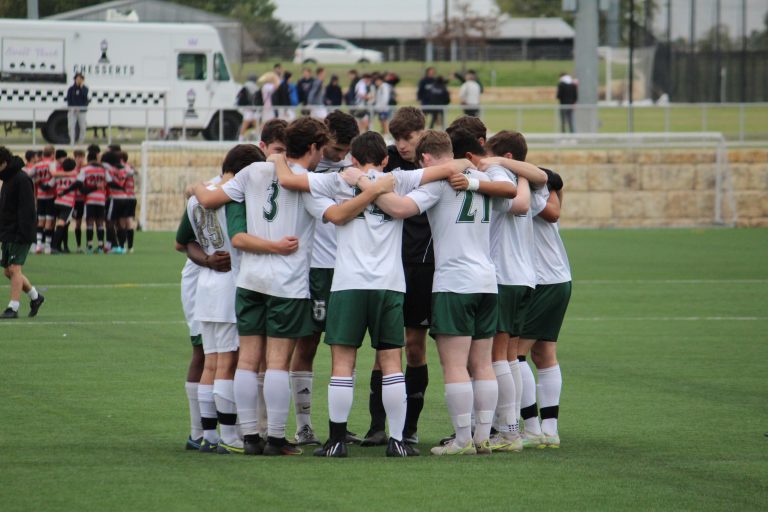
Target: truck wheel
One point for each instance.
(231, 121)
(56, 130)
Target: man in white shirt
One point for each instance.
(469, 94)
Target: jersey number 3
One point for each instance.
(270, 210)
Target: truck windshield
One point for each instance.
(192, 66)
(220, 71)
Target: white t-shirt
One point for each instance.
(215, 297)
(361, 92)
(324, 245)
(550, 258)
(460, 222)
(511, 241)
(370, 245)
(272, 213)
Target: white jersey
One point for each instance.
(189, 275)
(511, 240)
(324, 244)
(550, 260)
(272, 213)
(460, 222)
(370, 245)
(215, 301)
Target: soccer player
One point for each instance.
(30, 158)
(368, 288)
(64, 202)
(17, 231)
(463, 294)
(41, 177)
(130, 210)
(273, 285)
(78, 213)
(342, 128)
(544, 318)
(418, 256)
(119, 202)
(94, 179)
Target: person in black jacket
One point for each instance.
(18, 222)
(77, 101)
(568, 95)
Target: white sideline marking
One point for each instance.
(91, 322)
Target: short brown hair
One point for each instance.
(48, 150)
(274, 130)
(342, 127)
(79, 153)
(435, 143)
(302, 133)
(472, 124)
(406, 121)
(369, 148)
(240, 157)
(507, 141)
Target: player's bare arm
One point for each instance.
(210, 197)
(522, 202)
(489, 188)
(285, 176)
(249, 243)
(399, 207)
(551, 212)
(342, 213)
(219, 261)
(533, 174)
(444, 171)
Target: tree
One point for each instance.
(466, 26)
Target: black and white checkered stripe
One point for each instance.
(57, 96)
(16, 95)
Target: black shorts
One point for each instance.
(79, 210)
(118, 209)
(94, 212)
(417, 308)
(46, 208)
(63, 212)
(131, 209)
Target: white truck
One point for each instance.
(168, 76)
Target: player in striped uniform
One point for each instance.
(94, 180)
(41, 177)
(64, 202)
(30, 159)
(540, 331)
(130, 209)
(368, 287)
(78, 213)
(119, 202)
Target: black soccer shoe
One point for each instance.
(351, 438)
(332, 449)
(9, 313)
(34, 305)
(253, 444)
(280, 446)
(374, 438)
(397, 448)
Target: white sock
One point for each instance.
(262, 409)
(459, 397)
(224, 397)
(32, 293)
(514, 367)
(301, 387)
(195, 427)
(549, 387)
(505, 408)
(529, 397)
(486, 396)
(245, 389)
(277, 395)
(207, 410)
(394, 399)
(14, 305)
(341, 393)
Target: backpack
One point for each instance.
(243, 98)
(258, 98)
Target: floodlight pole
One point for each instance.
(33, 12)
(630, 112)
(586, 30)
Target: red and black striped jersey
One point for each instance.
(41, 177)
(62, 183)
(95, 178)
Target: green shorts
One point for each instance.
(513, 305)
(14, 254)
(197, 340)
(320, 280)
(464, 314)
(351, 312)
(546, 312)
(259, 314)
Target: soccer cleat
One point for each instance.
(331, 449)
(9, 313)
(34, 305)
(377, 438)
(444, 441)
(208, 447)
(484, 448)
(532, 440)
(351, 438)
(280, 446)
(453, 448)
(499, 443)
(253, 444)
(411, 438)
(552, 441)
(397, 448)
(193, 444)
(306, 436)
(226, 449)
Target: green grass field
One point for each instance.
(664, 400)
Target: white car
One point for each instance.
(333, 51)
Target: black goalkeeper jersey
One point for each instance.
(417, 237)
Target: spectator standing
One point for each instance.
(567, 95)
(469, 94)
(354, 78)
(246, 99)
(333, 92)
(302, 87)
(77, 101)
(425, 96)
(316, 95)
(285, 97)
(439, 97)
(381, 100)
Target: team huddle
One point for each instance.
(322, 229)
(98, 188)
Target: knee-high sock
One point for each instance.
(78, 236)
(416, 382)
(277, 395)
(375, 405)
(224, 397)
(486, 396)
(549, 387)
(129, 238)
(246, 392)
(528, 409)
(262, 406)
(121, 237)
(459, 397)
(195, 425)
(393, 397)
(341, 392)
(100, 237)
(301, 387)
(207, 412)
(89, 236)
(514, 367)
(505, 414)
